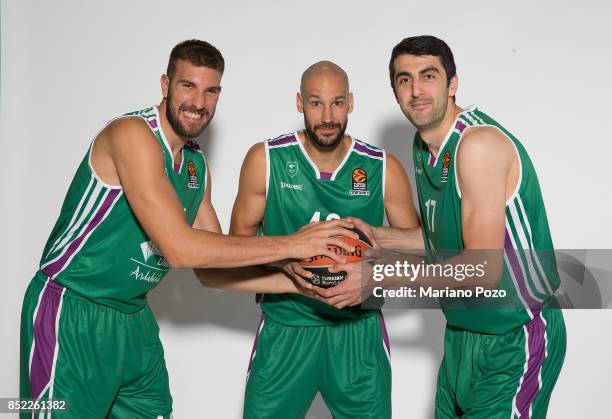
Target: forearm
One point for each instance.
(399, 239)
(205, 249)
(251, 279)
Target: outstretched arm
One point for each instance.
(247, 215)
(127, 151)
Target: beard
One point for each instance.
(181, 129)
(430, 120)
(325, 141)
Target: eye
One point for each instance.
(339, 103)
(315, 103)
(429, 76)
(403, 80)
(213, 91)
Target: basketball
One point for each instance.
(319, 265)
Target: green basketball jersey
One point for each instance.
(298, 193)
(97, 247)
(529, 277)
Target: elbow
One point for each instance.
(209, 278)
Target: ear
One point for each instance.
(453, 86)
(165, 84)
(350, 102)
(299, 102)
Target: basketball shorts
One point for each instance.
(102, 362)
(501, 376)
(347, 363)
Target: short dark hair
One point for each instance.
(424, 45)
(198, 53)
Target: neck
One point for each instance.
(326, 159)
(434, 135)
(175, 141)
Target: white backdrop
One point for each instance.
(540, 68)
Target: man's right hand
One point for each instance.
(313, 239)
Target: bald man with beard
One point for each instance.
(304, 346)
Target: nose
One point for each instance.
(327, 115)
(416, 88)
(199, 100)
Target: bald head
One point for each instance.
(322, 70)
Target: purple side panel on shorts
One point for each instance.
(385, 336)
(261, 320)
(537, 354)
(326, 175)
(363, 149)
(45, 338)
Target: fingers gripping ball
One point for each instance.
(319, 265)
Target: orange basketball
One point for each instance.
(319, 265)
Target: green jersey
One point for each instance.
(298, 193)
(529, 278)
(98, 249)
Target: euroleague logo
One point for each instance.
(193, 178)
(445, 165)
(360, 183)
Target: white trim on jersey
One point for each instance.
(83, 219)
(525, 245)
(163, 136)
(520, 177)
(72, 220)
(344, 160)
(520, 262)
(384, 174)
(267, 154)
(314, 166)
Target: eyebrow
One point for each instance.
(425, 70)
(318, 97)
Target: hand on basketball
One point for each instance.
(298, 274)
(313, 239)
(367, 229)
(349, 292)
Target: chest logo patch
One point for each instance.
(360, 183)
(292, 168)
(445, 165)
(193, 177)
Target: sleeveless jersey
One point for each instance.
(529, 273)
(98, 249)
(298, 193)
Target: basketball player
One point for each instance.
(321, 173)
(135, 208)
(477, 189)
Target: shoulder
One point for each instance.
(281, 141)
(485, 141)
(133, 128)
(368, 150)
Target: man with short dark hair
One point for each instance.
(320, 173)
(477, 189)
(138, 205)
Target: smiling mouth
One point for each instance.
(194, 115)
